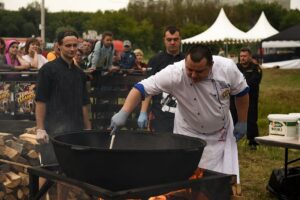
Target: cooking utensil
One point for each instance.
(137, 159)
(112, 134)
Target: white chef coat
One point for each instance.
(203, 109)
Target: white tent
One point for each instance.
(285, 39)
(222, 30)
(262, 29)
(287, 64)
(281, 44)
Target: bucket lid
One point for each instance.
(282, 117)
(296, 115)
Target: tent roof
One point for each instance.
(287, 38)
(222, 30)
(291, 33)
(262, 29)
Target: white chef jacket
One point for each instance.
(203, 109)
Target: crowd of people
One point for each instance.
(190, 93)
(91, 55)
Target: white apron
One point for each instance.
(220, 153)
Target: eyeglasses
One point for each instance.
(174, 39)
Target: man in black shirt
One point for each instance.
(253, 76)
(163, 105)
(61, 97)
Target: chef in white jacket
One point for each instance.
(202, 85)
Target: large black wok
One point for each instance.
(137, 159)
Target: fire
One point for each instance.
(184, 193)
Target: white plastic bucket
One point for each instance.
(283, 125)
(298, 130)
(298, 124)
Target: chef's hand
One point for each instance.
(143, 120)
(240, 129)
(119, 119)
(42, 136)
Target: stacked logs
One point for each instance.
(16, 155)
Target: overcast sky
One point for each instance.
(70, 5)
(85, 5)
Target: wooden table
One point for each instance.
(281, 141)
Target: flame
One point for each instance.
(185, 193)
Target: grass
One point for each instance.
(279, 93)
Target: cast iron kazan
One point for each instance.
(138, 159)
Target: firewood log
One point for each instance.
(11, 153)
(2, 177)
(13, 180)
(31, 130)
(15, 145)
(25, 190)
(29, 137)
(2, 194)
(33, 154)
(10, 197)
(20, 194)
(4, 137)
(24, 179)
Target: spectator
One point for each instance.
(55, 53)
(78, 59)
(163, 105)
(21, 49)
(13, 58)
(139, 62)
(86, 48)
(221, 52)
(41, 49)
(32, 56)
(2, 52)
(253, 75)
(127, 57)
(103, 52)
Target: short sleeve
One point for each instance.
(43, 85)
(160, 82)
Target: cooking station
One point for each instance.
(213, 185)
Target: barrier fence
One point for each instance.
(107, 94)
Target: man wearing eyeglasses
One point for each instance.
(163, 105)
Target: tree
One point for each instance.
(28, 29)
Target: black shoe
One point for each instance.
(253, 147)
(253, 142)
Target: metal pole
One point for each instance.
(42, 25)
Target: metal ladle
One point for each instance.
(113, 135)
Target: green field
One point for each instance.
(279, 93)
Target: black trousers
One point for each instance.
(163, 122)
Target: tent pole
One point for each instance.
(226, 49)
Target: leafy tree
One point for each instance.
(142, 23)
(28, 29)
(290, 19)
